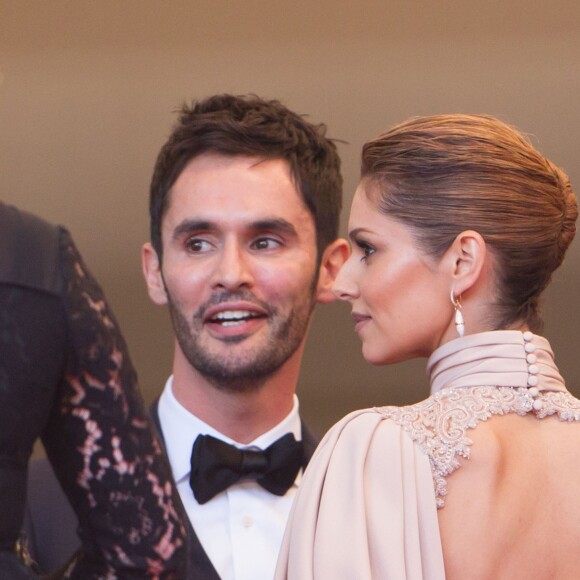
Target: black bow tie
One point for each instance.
(216, 465)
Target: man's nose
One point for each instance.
(233, 268)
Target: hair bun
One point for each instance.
(569, 205)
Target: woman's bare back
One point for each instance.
(513, 509)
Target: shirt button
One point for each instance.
(247, 521)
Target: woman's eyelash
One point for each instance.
(366, 248)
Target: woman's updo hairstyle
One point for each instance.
(444, 174)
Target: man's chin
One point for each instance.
(235, 379)
(238, 369)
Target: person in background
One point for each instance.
(66, 376)
(457, 226)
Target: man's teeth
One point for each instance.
(233, 317)
(233, 314)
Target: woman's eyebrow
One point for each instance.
(355, 232)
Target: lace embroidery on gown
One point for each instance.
(118, 478)
(525, 380)
(66, 376)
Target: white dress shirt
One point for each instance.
(241, 528)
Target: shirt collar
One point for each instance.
(181, 427)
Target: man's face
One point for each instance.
(238, 269)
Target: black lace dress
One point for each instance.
(66, 376)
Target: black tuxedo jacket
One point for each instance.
(50, 523)
(198, 564)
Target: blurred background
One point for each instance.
(89, 89)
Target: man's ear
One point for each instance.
(334, 256)
(466, 258)
(152, 272)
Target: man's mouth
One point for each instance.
(234, 317)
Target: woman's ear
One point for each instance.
(153, 276)
(334, 256)
(466, 258)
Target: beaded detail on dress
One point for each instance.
(474, 378)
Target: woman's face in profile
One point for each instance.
(399, 295)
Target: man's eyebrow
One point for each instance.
(189, 226)
(279, 225)
(275, 225)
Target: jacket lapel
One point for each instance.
(198, 563)
(310, 443)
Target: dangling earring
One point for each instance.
(459, 323)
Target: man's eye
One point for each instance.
(265, 244)
(197, 245)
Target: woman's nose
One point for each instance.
(345, 286)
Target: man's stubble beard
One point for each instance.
(250, 371)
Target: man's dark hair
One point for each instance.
(251, 126)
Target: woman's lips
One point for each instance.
(360, 320)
